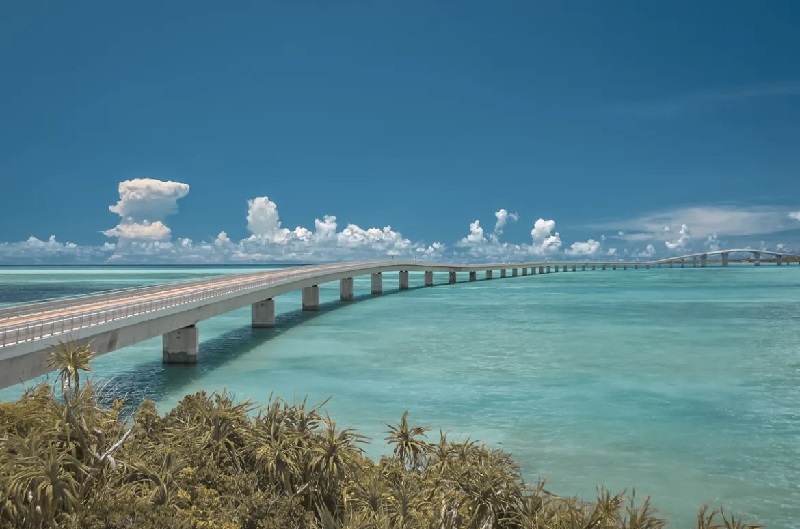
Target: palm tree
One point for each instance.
(409, 447)
(70, 359)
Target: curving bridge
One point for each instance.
(120, 318)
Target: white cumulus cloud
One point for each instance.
(503, 218)
(681, 241)
(590, 247)
(143, 203)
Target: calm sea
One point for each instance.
(682, 383)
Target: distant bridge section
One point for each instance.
(116, 319)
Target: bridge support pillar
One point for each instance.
(403, 280)
(488, 274)
(725, 257)
(541, 269)
(574, 268)
(473, 276)
(683, 263)
(648, 266)
(779, 260)
(604, 268)
(670, 264)
(452, 278)
(757, 258)
(564, 268)
(583, 268)
(376, 285)
(428, 278)
(514, 272)
(555, 269)
(703, 260)
(346, 289)
(502, 272)
(311, 298)
(264, 314)
(613, 267)
(180, 346)
(525, 271)
(694, 262)
(594, 267)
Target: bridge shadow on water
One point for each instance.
(154, 380)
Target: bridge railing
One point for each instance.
(48, 305)
(59, 325)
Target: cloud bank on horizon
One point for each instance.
(142, 236)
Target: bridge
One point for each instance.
(117, 319)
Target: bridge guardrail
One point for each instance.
(64, 324)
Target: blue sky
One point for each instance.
(609, 121)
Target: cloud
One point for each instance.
(648, 252)
(36, 250)
(680, 242)
(795, 215)
(143, 203)
(692, 102)
(544, 240)
(475, 236)
(611, 251)
(712, 242)
(590, 247)
(503, 217)
(724, 221)
(145, 230)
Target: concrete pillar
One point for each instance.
(264, 314)
(683, 263)
(452, 278)
(473, 276)
(594, 267)
(670, 264)
(376, 285)
(636, 267)
(541, 270)
(658, 265)
(346, 289)
(624, 267)
(488, 274)
(583, 268)
(613, 267)
(564, 268)
(429, 278)
(694, 262)
(757, 258)
(604, 267)
(548, 269)
(703, 260)
(311, 298)
(556, 269)
(779, 260)
(180, 346)
(502, 272)
(725, 257)
(648, 266)
(525, 271)
(514, 272)
(403, 280)
(574, 267)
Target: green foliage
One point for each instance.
(212, 462)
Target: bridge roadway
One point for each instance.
(116, 319)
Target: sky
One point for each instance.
(191, 132)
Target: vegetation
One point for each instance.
(68, 462)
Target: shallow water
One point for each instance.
(682, 383)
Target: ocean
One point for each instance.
(681, 383)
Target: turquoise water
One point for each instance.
(682, 383)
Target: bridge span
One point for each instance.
(116, 319)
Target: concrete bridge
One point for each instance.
(117, 319)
